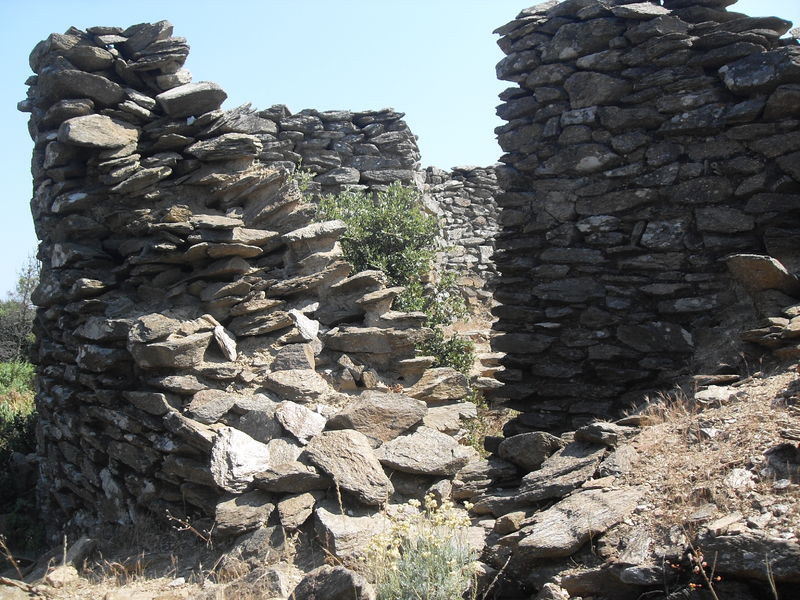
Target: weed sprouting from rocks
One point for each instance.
(423, 555)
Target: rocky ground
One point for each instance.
(712, 472)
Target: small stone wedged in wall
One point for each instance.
(199, 337)
(644, 143)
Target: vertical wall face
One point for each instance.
(464, 199)
(643, 144)
(195, 328)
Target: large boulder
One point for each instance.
(303, 423)
(333, 583)
(238, 514)
(425, 452)
(346, 534)
(176, 352)
(348, 458)
(442, 384)
(754, 554)
(97, 131)
(191, 99)
(529, 450)
(299, 385)
(380, 416)
(236, 458)
(562, 529)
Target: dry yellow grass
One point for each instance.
(688, 460)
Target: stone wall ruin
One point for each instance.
(202, 345)
(644, 143)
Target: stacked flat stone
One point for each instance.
(366, 150)
(203, 348)
(643, 144)
(465, 200)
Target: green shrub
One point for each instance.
(17, 429)
(392, 233)
(17, 412)
(16, 376)
(389, 232)
(440, 301)
(455, 352)
(23, 527)
(302, 177)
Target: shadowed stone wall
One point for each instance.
(643, 144)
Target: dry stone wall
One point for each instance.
(342, 148)
(464, 199)
(202, 346)
(643, 144)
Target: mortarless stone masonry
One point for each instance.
(199, 336)
(189, 308)
(643, 144)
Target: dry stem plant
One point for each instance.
(184, 525)
(6, 553)
(424, 555)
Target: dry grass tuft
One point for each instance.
(701, 461)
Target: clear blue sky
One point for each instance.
(432, 59)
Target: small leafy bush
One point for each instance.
(389, 232)
(17, 413)
(423, 556)
(455, 352)
(18, 434)
(16, 376)
(440, 301)
(392, 233)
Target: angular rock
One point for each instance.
(604, 433)
(656, 336)
(308, 328)
(562, 529)
(208, 406)
(57, 84)
(97, 131)
(294, 356)
(295, 510)
(176, 352)
(379, 415)
(564, 471)
(191, 99)
(529, 450)
(440, 385)
(225, 147)
(620, 462)
(239, 514)
(153, 403)
(236, 458)
(226, 342)
(261, 424)
(746, 555)
(425, 452)
(264, 545)
(757, 272)
(291, 477)
(347, 535)
(334, 583)
(284, 450)
(350, 461)
(761, 72)
(301, 422)
(450, 418)
(301, 385)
